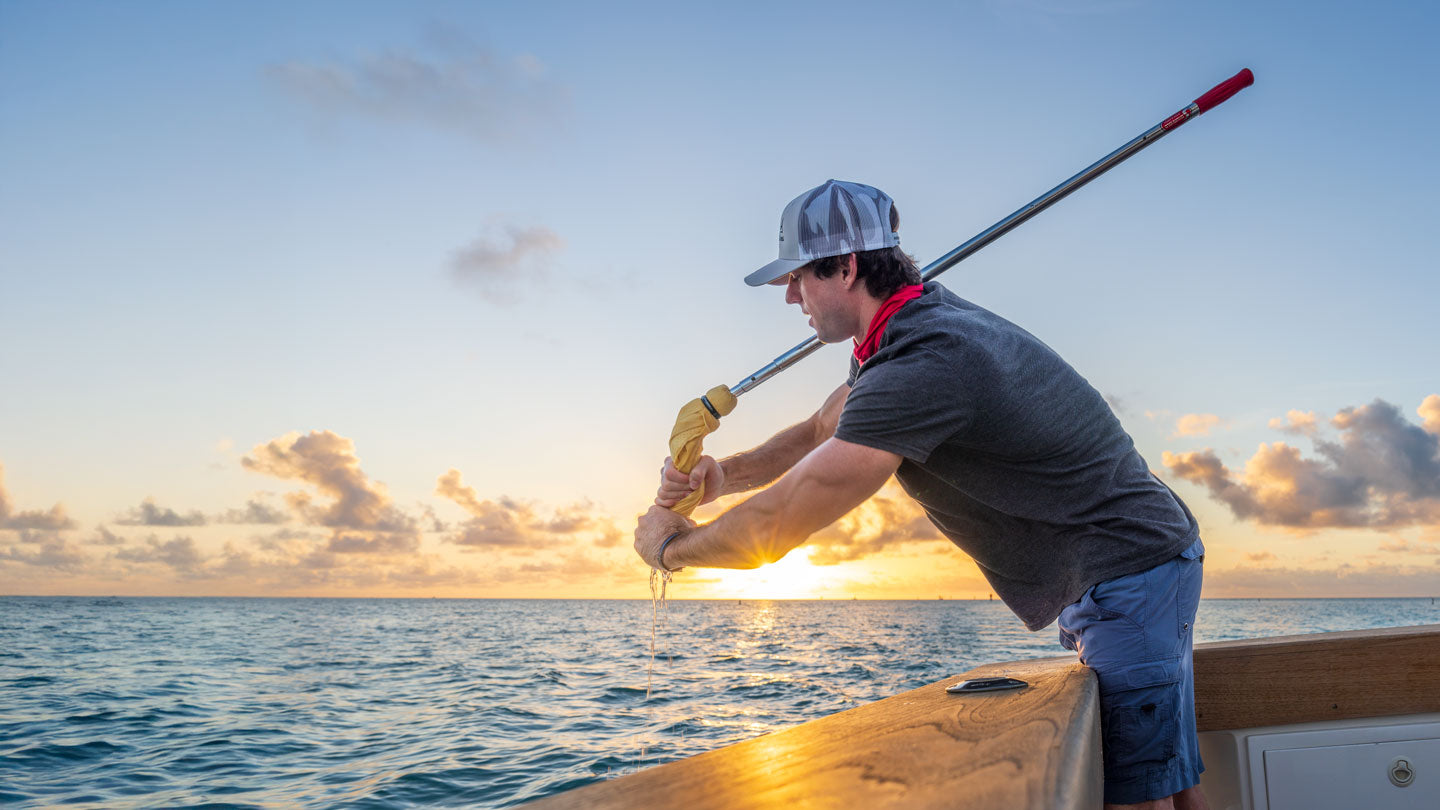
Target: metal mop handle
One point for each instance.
(1214, 97)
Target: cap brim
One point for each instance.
(774, 270)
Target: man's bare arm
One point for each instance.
(830, 481)
(761, 465)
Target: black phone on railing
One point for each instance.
(985, 685)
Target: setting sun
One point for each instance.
(793, 577)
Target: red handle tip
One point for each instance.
(1224, 90)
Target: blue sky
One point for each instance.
(223, 223)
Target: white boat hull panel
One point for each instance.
(1390, 763)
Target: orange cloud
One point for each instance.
(54, 519)
(1429, 410)
(361, 515)
(1301, 422)
(45, 550)
(255, 513)
(1406, 547)
(510, 523)
(148, 513)
(104, 537)
(1196, 424)
(888, 519)
(179, 553)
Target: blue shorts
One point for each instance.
(1135, 632)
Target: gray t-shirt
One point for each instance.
(1014, 456)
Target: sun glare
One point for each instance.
(793, 577)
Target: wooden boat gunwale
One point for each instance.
(1036, 747)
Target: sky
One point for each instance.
(401, 299)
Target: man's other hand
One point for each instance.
(675, 485)
(652, 529)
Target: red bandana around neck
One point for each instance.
(865, 348)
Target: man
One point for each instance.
(1012, 454)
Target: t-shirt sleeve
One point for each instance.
(907, 405)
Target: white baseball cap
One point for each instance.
(831, 219)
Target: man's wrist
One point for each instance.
(660, 557)
(724, 479)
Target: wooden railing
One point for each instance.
(1036, 747)
(1033, 747)
(1324, 676)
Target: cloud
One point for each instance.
(104, 537)
(54, 519)
(52, 551)
(1196, 424)
(1383, 473)
(610, 538)
(426, 574)
(458, 86)
(178, 553)
(1403, 546)
(255, 513)
(372, 543)
(286, 535)
(150, 514)
(1259, 556)
(1429, 410)
(1344, 580)
(289, 549)
(282, 562)
(360, 514)
(327, 461)
(1298, 422)
(289, 560)
(507, 260)
(567, 567)
(311, 560)
(509, 523)
(888, 519)
(451, 485)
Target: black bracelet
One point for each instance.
(661, 556)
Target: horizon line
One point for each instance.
(1431, 597)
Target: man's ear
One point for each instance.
(851, 273)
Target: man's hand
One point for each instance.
(654, 526)
(675, 485)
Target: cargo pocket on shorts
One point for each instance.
(1141, 716)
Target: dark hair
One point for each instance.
(884, 271)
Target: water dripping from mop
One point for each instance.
(659, 580)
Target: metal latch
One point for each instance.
(1401, 774)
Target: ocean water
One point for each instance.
(159, 702)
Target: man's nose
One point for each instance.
(792, 293)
